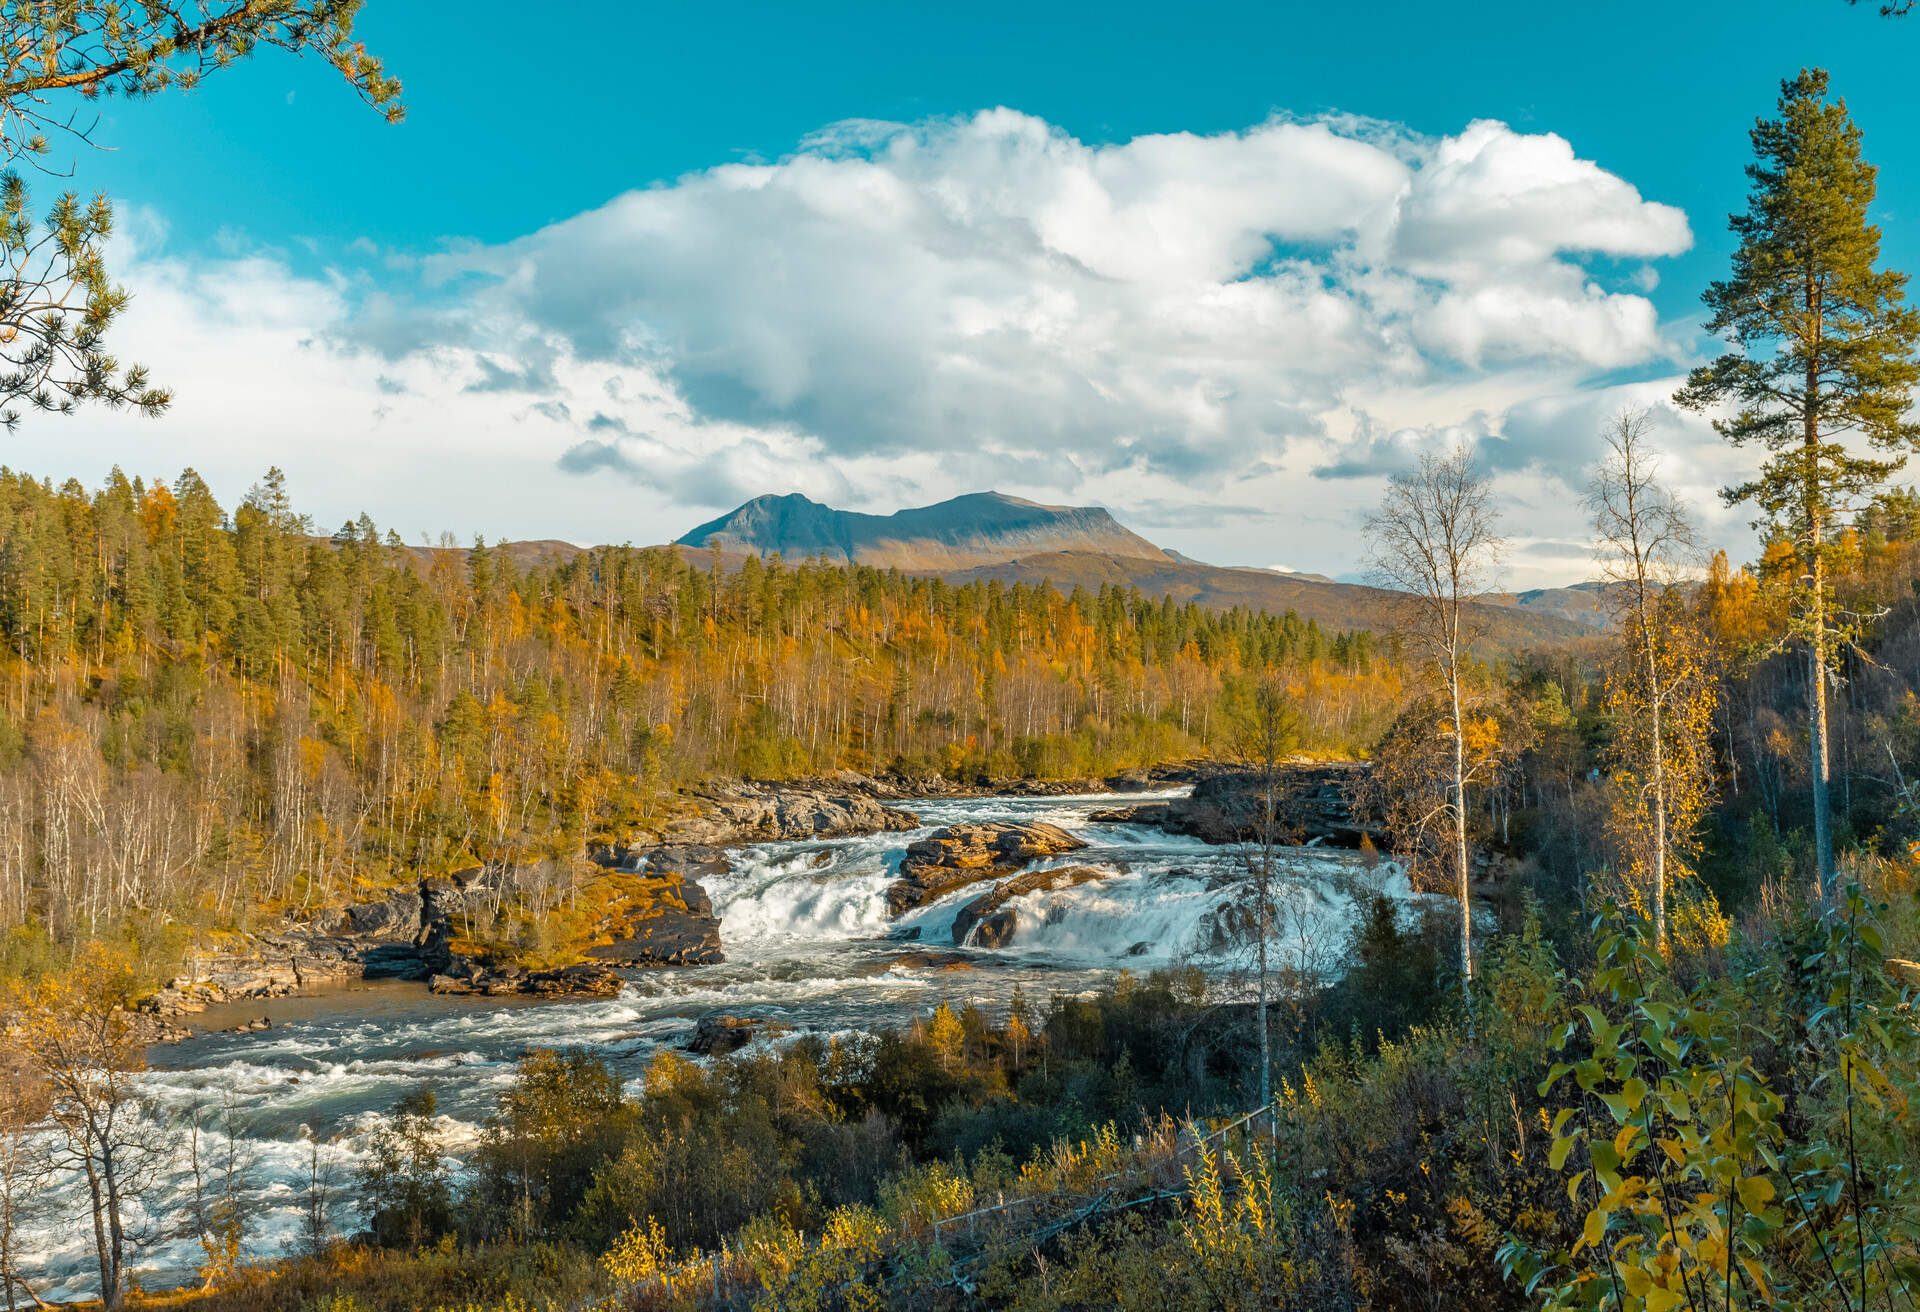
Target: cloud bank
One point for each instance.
(990, 287)
(1234, 335)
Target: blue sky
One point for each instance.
(425, 388)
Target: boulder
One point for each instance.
(959, 855)
(922, 961)
(996, 930)
(1049, 787)
(996, 926)
(716, 1036)
(1151, 813)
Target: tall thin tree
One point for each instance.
(1435, 545)
(1823, 353)
(1274, 731)
(1644, 543)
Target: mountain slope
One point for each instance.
(1334, 605)
(981, 528)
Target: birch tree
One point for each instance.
(1659, 695)
(1435, 546)
(78, 1040)
(1274, 731)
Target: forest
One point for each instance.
(212, 716)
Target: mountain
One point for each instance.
(981, 528)
(988, 535)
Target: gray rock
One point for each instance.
(716, 1036)
(1312, 801)
(996, 926)
(959, 855)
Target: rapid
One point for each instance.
(808, 944)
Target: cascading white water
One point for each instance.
(808, 943)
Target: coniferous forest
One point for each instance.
(213, 714)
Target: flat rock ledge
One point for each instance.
(650, 911)
(992, 926)
(741, 812)
(959, 855)
(590, 979)
(401, 935)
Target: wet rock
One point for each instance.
(1130, 781)
(959, 855)
(996, 926)
(153, 1031)
(996, 931)
(1048, 787)
(589, 979)
(716, 1036)
(1151, 813)
(926, 961)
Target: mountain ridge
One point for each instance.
(977, 528)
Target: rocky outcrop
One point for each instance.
(649, 910)
(996, 926)
(588, 978)
(959, 855)
(716, 1036)
(765, 813)
(403, 934)
(1313, 802)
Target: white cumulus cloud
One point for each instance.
(989, 287)
(1228, 337)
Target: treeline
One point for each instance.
(206, 715)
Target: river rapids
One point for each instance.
(808, 944)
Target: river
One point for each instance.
(808, 944)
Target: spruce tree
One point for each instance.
(1821, 367)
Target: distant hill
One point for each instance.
(981, 528)
(1583, 603)
(1334, 605)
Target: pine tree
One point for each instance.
(1823, 353)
